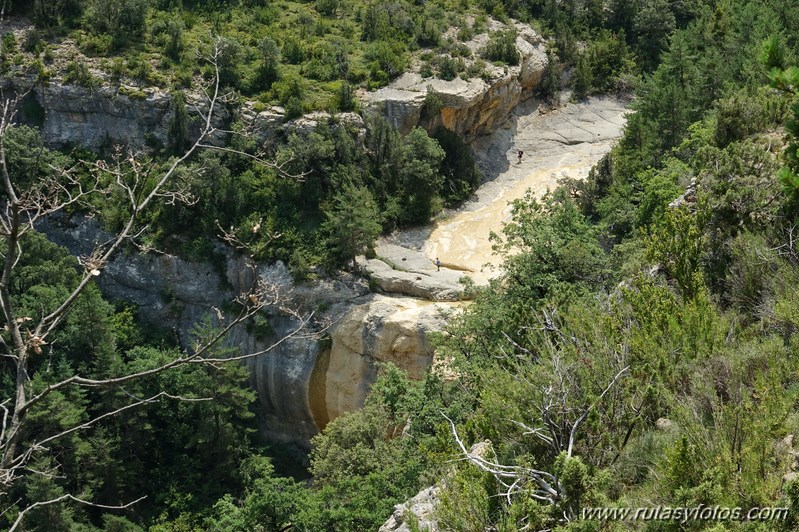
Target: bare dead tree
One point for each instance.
(560, 416)
(21, 208)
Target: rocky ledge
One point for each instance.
(472, 107)
(399, 270)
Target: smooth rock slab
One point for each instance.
(431, 285)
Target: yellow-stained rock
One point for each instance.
(386, 329)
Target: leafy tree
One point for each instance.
(557, 245)
(419, 175)
(582, 78)
(269, 503)
(387, 60)
(291, 92)
(461, 176)
(228, 62)
(677, 244)
(267, 72)
(345, 97)
(174, 44)
(352, 224)
(550, 82)
(55, 365)
(52, 12)
(124, 20)
(789, 80)
(652, 24)
(178, 133)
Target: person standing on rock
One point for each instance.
(520, 156)
(438, 264)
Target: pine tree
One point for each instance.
(352, 225)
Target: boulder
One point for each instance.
(422, 506)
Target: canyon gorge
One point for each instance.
(325, 370)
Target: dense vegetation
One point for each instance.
(312, 55)
(672, 325)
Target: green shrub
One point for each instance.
(9, 44)
(461, 176)
(229, 62)
(124, 20)
(326, 62)
(501, 47)
(172, 39)
(388, 59)
(345, 97)
(96, 45)
(608, 59)
(327, 7)
(77, 72)
(428, 33)
(432, 104)
(34, 42)
(49, 13)
(132, 93)
(268, 70)
(290, 92)
(426, 70)
(293, 51)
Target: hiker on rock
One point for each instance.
(438, 264)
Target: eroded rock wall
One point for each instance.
(312, 377)
(382, 330)
(473, 107)
(93, 117)
(328, 368)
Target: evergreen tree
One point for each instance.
(352, 224)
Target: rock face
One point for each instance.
(385, 329)
(399, 270)
(325, 370)
(100, 116)
(421, 506)
(473, 107)
(139, 119)
(316, 374)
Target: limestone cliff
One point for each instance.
(384, 329)
(306, 381)
(312, 377)
(472, 107)
(94, 117)
(141, 118)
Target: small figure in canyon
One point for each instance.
(520, 156)
(438, 264)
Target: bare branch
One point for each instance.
(588, 410)
(70, 497)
